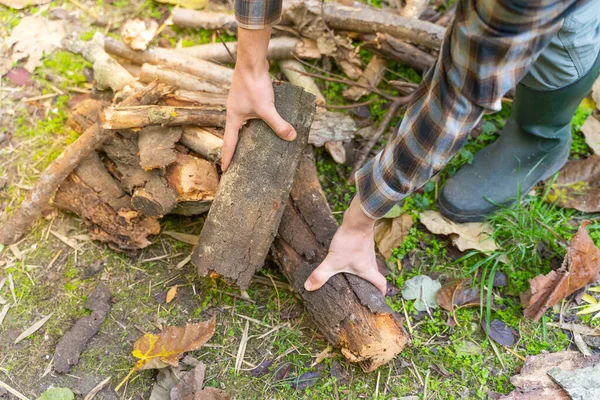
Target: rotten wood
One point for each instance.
(157, 146)
(350, 312)
(202, 141)
(92, 193)
(233, 243)
(211, 72)
(141, 116)
(85, 114)
(178, 79)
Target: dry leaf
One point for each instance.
(591, 132)
(19, 4)
(183, 237)
(533, 382)
(158, 351)
(137, 33)
(580, 268)
(390, 233)
(33, 328)
(3, 313)
(457, 293)
(192, 4)
(578, 185)
(189, 385)
(171, 294)
(34, 37)
(472, 235)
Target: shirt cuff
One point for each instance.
(373, 202)
(256, 24)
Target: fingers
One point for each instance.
(320, 275)
(377, 280)
(280, 126)
(230, 139)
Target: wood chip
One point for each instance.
(183, 262)
(33, 328)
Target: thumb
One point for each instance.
(377, 280)
(281, 127)
(230, 139)
(320, 275)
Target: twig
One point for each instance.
(362, 154)
(225, 45)
(353, 105)
(242, 349)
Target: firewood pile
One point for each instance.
(154, 148)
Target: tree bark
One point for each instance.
(189, 98)
(348, 311)
(157, 146)
(203, 142)
(141, 116)
(247, 209)
(178, 79)
(92, 193)
(86, 114)
(211, 72)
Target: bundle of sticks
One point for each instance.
(154, 150)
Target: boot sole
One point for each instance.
(465, 218)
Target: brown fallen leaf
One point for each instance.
(390, 233)
(171, 294)
(457, 293)
(580, 267)
(137, 33)
(578, 185)
(533, 382)
(472, 235)
(34, 37)
(591, 132)
(166, 348)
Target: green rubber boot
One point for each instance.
(533, 146)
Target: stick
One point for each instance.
(177, 79)
(141, 116)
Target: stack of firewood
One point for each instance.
(154, 149)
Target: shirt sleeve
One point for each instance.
(486, 51)
(257, 14)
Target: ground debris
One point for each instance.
(137, 33)
(423, 290)
(581, 384)
(390, 233)
(73, 343)
(34, 37)
(533, 382)
(457, 294)
(580, 267)
(577, 185)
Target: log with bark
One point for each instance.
(390, 47)
(233, 243)
(141, 116)
(350, 312)
(178, 79)
(371, 77)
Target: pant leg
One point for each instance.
(571, 53)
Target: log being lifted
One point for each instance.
(247, 209)
(350, 312)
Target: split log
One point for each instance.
(211, 21)
(195, 181)
(86, 114)
(280, 48)
(150, 192)
(203, 141)
(211, 72)
(108, 73)
(235, 244)
(92, 193)
(389, 47)
(64, 164)
(188, 98)
(350, 312)
(141, 116)
(157, 146)
(177, 79)
(371, 77)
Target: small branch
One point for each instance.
(362, 154)
(353, 105)
(141, 116)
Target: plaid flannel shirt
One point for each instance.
(486, 51)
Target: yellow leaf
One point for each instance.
(193, 4)
(173, 292)
(594, 289)
(590, 309)
(168, 346)
(589, 299)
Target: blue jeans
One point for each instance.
(571, 53)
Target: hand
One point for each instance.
(251, 93)
(352, 250)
